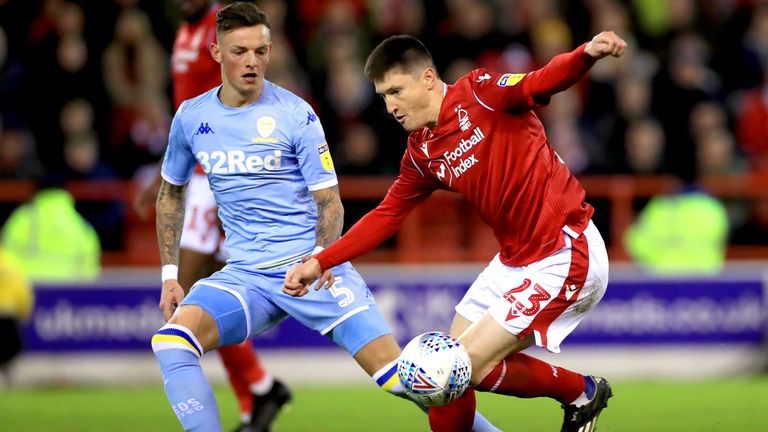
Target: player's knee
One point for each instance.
(176, 337)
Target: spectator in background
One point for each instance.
(398, 16)
(753, 126)
(82, 162)
(18, 155)
(685, 82)
(57, 58)
(51, 240)
(644, 147)
(76, 117)
(16, 300)
(135, 65)
(684, 232)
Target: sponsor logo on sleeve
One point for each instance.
(509, 80)
(325, 156)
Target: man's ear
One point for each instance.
(429, 78)
(215, 53)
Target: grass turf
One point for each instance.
(722, 405)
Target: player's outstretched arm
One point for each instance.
(604, 44)
(565, 70)
(170, 221)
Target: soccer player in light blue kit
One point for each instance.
(269, 167)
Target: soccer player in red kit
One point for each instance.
(479, 137)
(194, 71)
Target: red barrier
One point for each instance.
(444, 229)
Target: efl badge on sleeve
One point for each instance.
(509, 80)
(325, 156)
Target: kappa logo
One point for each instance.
(483, 77)
(464, 123)
(204, 129)
(424, 149)
(311, 117)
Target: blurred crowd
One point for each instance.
(84, 84)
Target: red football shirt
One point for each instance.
(194, 70)
(489, 146)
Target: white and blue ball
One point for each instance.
(434, 368)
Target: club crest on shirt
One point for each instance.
(265, 125)
(325, 156)
(464, 122)
(509, 80)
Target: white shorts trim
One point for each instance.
(239, 298)
(344, 318)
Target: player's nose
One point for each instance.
(251, 59)
(391, 106)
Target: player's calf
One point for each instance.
(178, 353)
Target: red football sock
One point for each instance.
(243, 369)
(457, 416)
(524, 376)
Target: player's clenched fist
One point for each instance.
(299, 278)
(604, 44)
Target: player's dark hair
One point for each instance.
(240, 14)
(402, 51)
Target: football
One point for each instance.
(434, 368)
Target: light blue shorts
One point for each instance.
(245, 302)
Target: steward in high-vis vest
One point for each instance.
(51, 240)
(686, 232)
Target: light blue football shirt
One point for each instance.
(262, 162)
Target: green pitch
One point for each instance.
(725, 405)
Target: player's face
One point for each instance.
(407, 98)
(243, 54)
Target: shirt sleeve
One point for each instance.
(179, 162)
(524, 91)
(312, 151)
(409, 189)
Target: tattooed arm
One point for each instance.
(330, 216)
(330, 220)
(170, 221)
